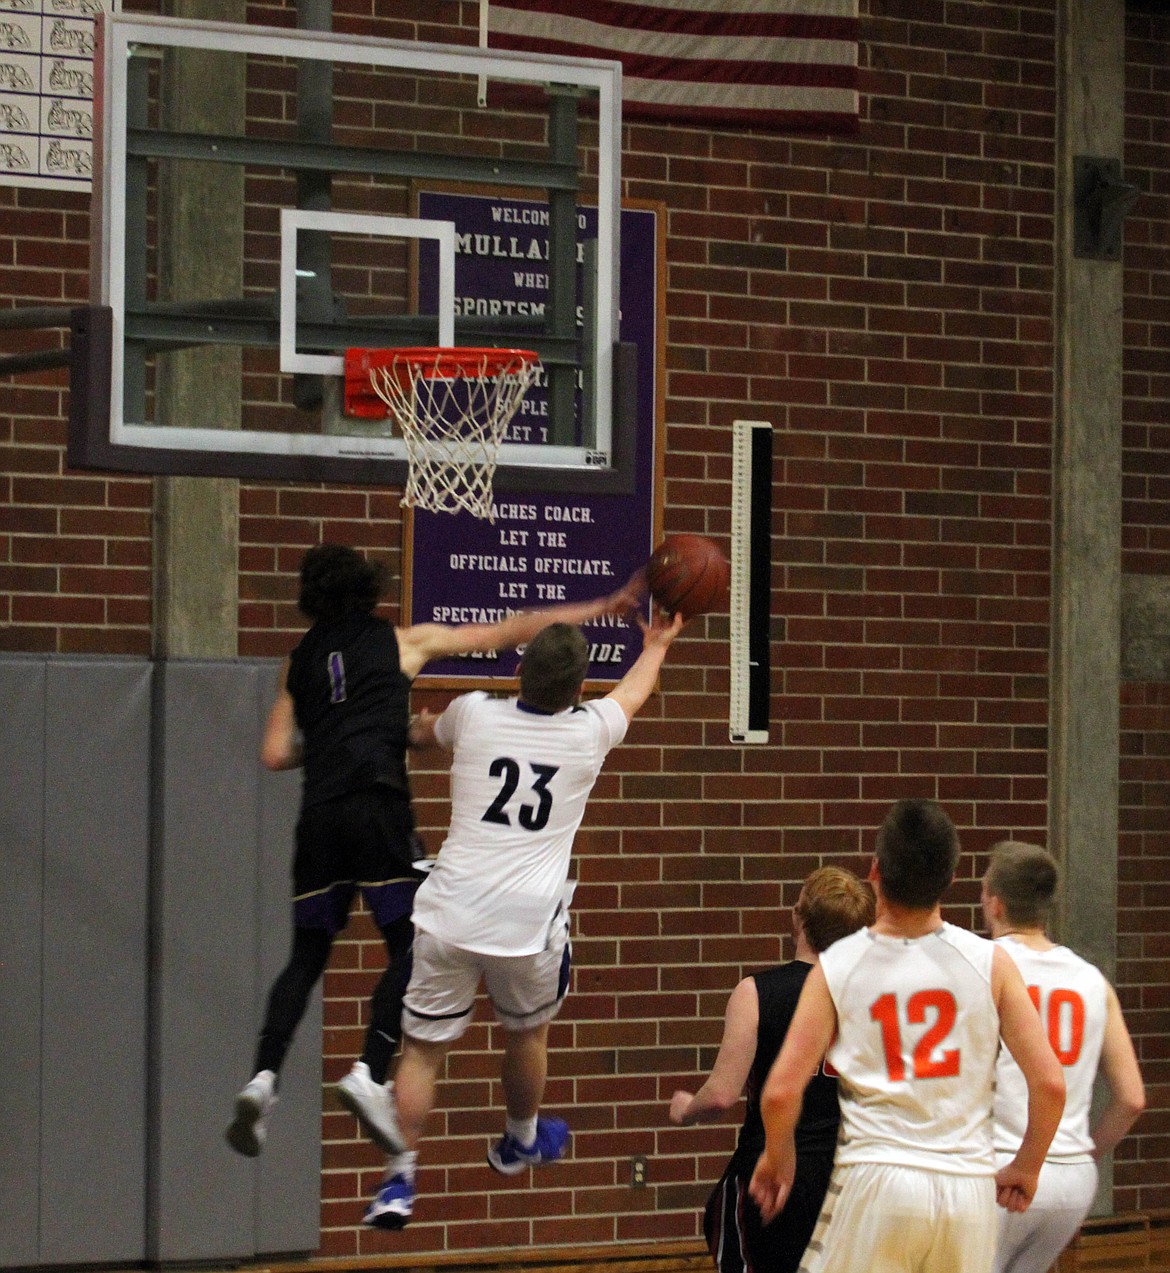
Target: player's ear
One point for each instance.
(873, 875)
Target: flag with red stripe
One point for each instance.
(779, 64)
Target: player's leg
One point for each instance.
(321, 904)
(524, 1071)
(436, 1011)
(779, 1246)
(1031, 1241)
(385, 1028)
(527, 992)
(965, 1228)
(722, 1222)
(287, 1000)
(290, 993)
(385, 848)
(413, 1099)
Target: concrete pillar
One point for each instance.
(1086, 568)
(201, 207)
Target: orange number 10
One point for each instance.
(1065, 1008)
(884, 1010)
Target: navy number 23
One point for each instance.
(531, 817)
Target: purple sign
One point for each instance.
(542, 548)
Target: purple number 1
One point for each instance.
(336, 677)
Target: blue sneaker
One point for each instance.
(509, 1157)
(393, 1204)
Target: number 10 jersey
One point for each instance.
(1069, 993)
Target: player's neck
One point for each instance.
(1033, 938)
(804, 951)
(905, 921)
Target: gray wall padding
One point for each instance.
(221, 929)
(132, 980)
(22, 741)
(288, 1185)
(93, 1064)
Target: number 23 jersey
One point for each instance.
(918, 1034)
(520, 780)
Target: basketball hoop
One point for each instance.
(452, 406)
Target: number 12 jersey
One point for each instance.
(918, 1034)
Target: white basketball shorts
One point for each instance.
(1030, 1241)
(903, 1220)
(526, 990)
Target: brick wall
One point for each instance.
(1142, 1171)
(886, 302)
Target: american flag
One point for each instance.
(786, 65)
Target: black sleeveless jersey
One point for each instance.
(778, 990)
(352, 705)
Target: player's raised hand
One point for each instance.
(661, 630)
(629, 596)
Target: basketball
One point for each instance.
(688, 575)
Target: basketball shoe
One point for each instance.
(393, 1204)
(509, 1157)
(373, 1106)
(248, 1131)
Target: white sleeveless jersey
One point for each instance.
(519, 783)
(1070, 995)
(918, 1033)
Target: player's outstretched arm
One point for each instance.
(1127, 1092)
(805, 1044)
(724, 1085)
(1020, 1028)
(280, 748)
(419, 644)
(632, 691)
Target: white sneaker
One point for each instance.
(373, 1106)
(249, 1129)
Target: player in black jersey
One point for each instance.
(342, 714)
(832, 904)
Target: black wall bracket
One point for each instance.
(1101, 202)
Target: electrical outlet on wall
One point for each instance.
(639, 1172)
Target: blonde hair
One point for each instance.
(1024, 878)
(833, 904)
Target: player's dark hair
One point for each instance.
(337, 580)
(1024, 878)
(833, 904)
(917, 852)
(553, 667)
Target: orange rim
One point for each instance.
(444, 362)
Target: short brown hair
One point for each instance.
(917, 852)
(553, 667)
(833, 904)
(1024, 878)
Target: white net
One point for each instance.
(453, 407)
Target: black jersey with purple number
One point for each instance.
(352, 704)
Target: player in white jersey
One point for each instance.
(913, 1009)
(494, 908)
(1081, 1015)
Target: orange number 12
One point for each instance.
(884, 1010)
